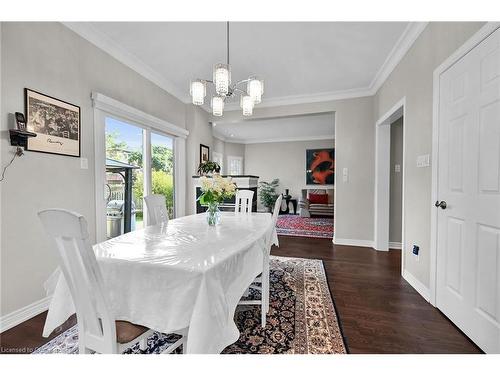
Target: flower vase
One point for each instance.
(213, 214)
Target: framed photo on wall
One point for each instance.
(55, 122)
(320, 166)
(204, 153)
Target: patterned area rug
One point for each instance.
(294, 225)
(301, 318)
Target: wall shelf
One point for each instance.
(20, 137)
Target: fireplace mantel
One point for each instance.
(247, 182)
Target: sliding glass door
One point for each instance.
(162, 169)
(139, 162)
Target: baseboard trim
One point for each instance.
(417, 285)
(395, 245)
(352, 242)
(24, 313)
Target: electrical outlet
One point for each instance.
(416, 250)
(84, 163)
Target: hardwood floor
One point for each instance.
(379, 311)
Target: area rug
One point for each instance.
(301, 319)
(294, 225)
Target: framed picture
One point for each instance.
(55, 122)
(204, 153)
(320, 166)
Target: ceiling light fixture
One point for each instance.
(225, 90)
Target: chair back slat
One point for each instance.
(243, 201)
(157, 209)
(274, 219)
(81, 271)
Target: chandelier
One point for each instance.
(225, 90)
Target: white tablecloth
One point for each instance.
(171, 276)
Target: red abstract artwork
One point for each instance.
(320, 166)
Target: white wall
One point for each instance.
(412, 78)
(283, 160)
(200, 132)
(219, 145)
(50, 58)
(234, 149)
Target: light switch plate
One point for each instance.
(345, 174)
(397, 168)
(84, 163)
(423, 161)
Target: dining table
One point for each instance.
(177, 275)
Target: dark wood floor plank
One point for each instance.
(379, 311)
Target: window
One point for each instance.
(235, 165)
(145, 144)
(133, 173)
(219, 159)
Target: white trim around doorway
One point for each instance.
(382, 178)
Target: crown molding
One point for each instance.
(309, 98)
(402, 46)
(103, 42)
(219, 136)
(272, 140)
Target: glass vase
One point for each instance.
(213, 214)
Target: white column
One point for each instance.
(146, 170)
(100, 174)
(382, 186)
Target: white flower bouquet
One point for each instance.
(214, 191)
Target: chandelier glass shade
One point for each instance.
(255, 88)
(247, 103)
(198, 91)
(250, 90)
(222, 78)
(217, 105)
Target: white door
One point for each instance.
(468, 232)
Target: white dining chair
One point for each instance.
(263, 278)
(157, 209)
(243, 201)
(98, 330)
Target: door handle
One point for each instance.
(441, 204)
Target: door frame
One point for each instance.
(383, 178)
(106, 106)
(470, 44)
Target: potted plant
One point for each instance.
(214, 190)
(267, 192)
(208, 167)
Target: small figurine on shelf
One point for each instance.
(287, 194)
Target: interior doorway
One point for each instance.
(396, 185)
(389, 175)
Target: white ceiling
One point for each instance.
(292, 128)
(299, 61)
